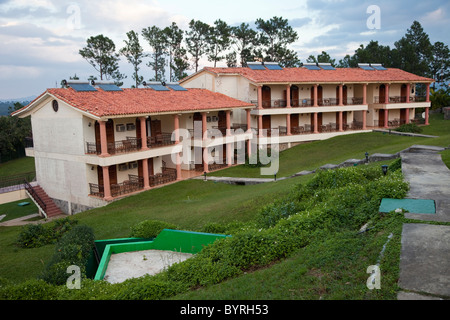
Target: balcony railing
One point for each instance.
(295, 103)
(131, 144)
(400, 99)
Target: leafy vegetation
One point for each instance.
(333, 202)
(38, 235)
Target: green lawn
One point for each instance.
(18, 166)
(12, 210)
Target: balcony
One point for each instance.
(299, 103)
(131, 144)
(134, 184)
(399, 99)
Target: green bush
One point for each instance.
(74, 248)
(29, 290)
(38, 235)
(149, 229)
(410, 127)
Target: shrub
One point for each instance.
(410, 127)
(32, 236)
(38, 235)
(149, 229)
(29, 290)
(74, 248)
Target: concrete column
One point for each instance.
(428, 93)
(341, 95)
(260, 125)
(386, 118)
(288, 96)
(145, 172)
(365, 93)
(341, 119)
(386, 98)
(315, 104)
(229, 145)
(103, 139)
(260, 106)
(316, 123)
(205, 136)
(288, 124)
(364, 120)
(249, 120)
(106, 184)
(176, 122)
(427, 116)
(408, 92)
(143, 133)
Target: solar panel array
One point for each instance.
(371, 66)
(272, 66)
(81, 87)
(109, 87)
(311, 66)
(256, 66)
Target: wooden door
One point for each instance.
(402, 116)
(112, 175)
(222, 123)
(156, 128)
(294, 120)
(266, 122)
(266, 97)
(294, 96)
(382, 94)
(381, 117)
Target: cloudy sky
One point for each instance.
(40, 39)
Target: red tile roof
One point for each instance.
(303, 75)
(142, 101)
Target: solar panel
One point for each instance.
(82, 87)
(255, 66)
(365, 66)
(157, 86)
(311, 66)
(326, 66)
(273, 66)
(378, 67)
(176, 87)
(109, 87)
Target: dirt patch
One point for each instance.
(129, 265)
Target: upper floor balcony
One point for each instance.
(131, 144)
(304, 103)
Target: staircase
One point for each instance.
(42, 200)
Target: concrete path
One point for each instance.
(425, 253)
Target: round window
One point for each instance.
(55, 105)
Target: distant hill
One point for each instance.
(6, 104)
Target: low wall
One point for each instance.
(170, 240)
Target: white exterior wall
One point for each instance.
(58, 145)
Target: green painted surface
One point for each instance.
(167, 240)
(411, 205)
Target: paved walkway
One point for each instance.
(425, 253)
